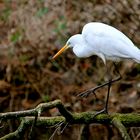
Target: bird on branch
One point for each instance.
(106, 42)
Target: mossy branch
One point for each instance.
(118, 124)
(38, 110)
(118, 120)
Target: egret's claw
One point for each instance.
(83, 94)
(60, 127)
(101, 112)
(52, 136)
(57, 130)
(64, 127)
(87, 93)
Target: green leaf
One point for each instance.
(5, 14)
(62, 26)
(16, 37)
(46, 98)
(24, 58)
(41, 12)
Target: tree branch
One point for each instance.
(117, 123)
(37, 111)
(118, 120)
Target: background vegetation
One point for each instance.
(31, 32)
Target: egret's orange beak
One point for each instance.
(61, 51)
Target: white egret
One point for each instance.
(106, 42)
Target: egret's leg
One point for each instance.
(109, 83)
(105, 110)
(92, 90)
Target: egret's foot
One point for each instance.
(60, 127)
(63, 127)
(88, 92)
(103, 111)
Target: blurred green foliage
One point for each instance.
(42, 11)
(60, 30)
(15, 37)
(6, 10)
(24, 58)
(18, 78)
(5, 13)
(61, 24)
(138, 68)
(46, 98)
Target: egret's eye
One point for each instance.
(69, 44)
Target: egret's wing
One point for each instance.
(108, 41)
(103, 30)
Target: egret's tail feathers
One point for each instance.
(138, 61)
(137, 56)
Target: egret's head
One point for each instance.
(70, 43)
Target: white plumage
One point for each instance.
(104, 41)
